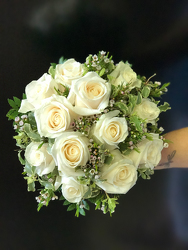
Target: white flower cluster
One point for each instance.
(90, 106)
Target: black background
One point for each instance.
(151, 35)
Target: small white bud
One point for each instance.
(103, 53)
(24, 116)
(161, 129)
(21, 128)
(165, 145)
(95, 57)
(102, 208)
(17, 119)
(21, 123)
(158, 83)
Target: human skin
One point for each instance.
(176, 155)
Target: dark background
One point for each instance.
(153, 36)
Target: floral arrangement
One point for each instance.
(87, 131)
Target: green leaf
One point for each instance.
(133, 100)
(112, 204)
(164, 107)
(62, 198)
(51, 141)
(145, 172)
(101, 73)
(165, 85)
(28, 168)
(98, 204)
(139, 98)
(62, 60)
(87, 194)
(81, 211)
(17, 101)
(137, 122)
(168, 141)
(40, 205)
(22, 161)
(108, 159)
(15, 104)
(31, 187)
(53, 65)
(33, 135)
(51, 71)
(145, 91)
(71, 207)
(29, 180)
(40, 146)
(31, 119)
(95, 192)
(126, 152)
(86, 206)
(123, 107)
(65, 203)
(137, 150)
(12, 104)
(115, 89)
(46, 184)
(96, 198)
(123, 146)
(54, 172)
(12, 113)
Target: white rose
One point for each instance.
(54, 116)
(36, 91)
(39, 158)
(147, 110)
(120, 176)
(72, 190)
(68, 71)
(150, 152)
(110, 130)
(90, 94)
(70, 150)
(123, 74)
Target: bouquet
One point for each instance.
(87, 131)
